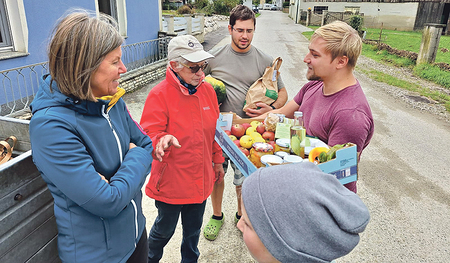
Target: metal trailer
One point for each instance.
(28, 230)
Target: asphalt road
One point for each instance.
(404, 174)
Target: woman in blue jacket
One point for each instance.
(88, 149)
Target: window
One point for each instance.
(5, 34)
(108, 7)
(13, 29)
(116, 9)
(351, 10)
(318, 9)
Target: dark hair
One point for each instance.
(241, 12)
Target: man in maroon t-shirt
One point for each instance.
(334, 106)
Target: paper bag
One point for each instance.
(265, 89)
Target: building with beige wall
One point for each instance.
(397, 16)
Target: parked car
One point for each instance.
(273, 7)
(267, 6)
(255, 9)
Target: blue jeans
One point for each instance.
(164, 227)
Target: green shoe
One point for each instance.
(236, 219)
(212, 229)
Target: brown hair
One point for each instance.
(79, 44)
(241, 12)
(342, 40)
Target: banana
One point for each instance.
(332, 152)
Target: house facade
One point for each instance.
(391, 14)
(25, 26)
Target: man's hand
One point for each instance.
(263, 108)
(165, 142)
(219, 172)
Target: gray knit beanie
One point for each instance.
(302, 214)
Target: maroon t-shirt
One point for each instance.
(342, 117)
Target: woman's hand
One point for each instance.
(132, 145)
(103, 178)
(165, 142)
(219, 172)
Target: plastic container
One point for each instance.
(282, 145)
(293, 159)
(281, 154)
(269, 159)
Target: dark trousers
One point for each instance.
(141, 251)
(164, 227)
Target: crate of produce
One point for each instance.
(343, 165)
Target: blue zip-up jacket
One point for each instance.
(72, 142)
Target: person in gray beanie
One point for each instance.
(297, 213)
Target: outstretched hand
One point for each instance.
(164, 143)
(261, 109)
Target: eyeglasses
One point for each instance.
(196, 68)
(241, 31)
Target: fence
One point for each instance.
(186, 25)
(19, 85)
(327, 17)
(141, 54)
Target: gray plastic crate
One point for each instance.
(28, 230)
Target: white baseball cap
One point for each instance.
(187, 47)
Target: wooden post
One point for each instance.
(308, 17)
(381, 31)
(430, 43)
(324, 15)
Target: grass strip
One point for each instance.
(423, 91)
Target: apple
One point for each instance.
(244, 151)
(261, 128)
(246, 125)
(268, 136)
(238, 143)
(232, 137)
(228, 132)
(272, 143)
(237, 130)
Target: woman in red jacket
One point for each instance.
(182, 111)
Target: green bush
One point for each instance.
(169, 6)
(185, 9)
(201, 4)
(207, 10)
(223, 7)
(286, 4)
(357, 23)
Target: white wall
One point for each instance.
(400, 16)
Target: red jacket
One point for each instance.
(186, 175)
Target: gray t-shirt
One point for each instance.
(238, 71)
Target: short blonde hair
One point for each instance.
(342, 40)
(79, 43)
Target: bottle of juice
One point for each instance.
(298, 135)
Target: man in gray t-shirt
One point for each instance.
(238, 65)
(238, 70)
